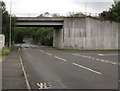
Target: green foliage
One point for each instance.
(77, 15)
(44, 36)
(21, 33)
(113, 14)
(56, 15)
(6, 23)
(5, 51)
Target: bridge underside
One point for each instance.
(39, 24)
(57, 24)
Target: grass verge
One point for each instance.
(4, 52)
(94, 49)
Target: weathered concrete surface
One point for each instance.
(40, 22)
(87, 33)
(74, 32)
(0, 22)
(58, 38)
(77, 33)
(101, 34)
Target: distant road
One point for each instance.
(49, 68)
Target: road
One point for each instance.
(50, 68)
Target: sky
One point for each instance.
(63, 7)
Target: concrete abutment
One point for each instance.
(86, 33)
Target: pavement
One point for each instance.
(12, 74)
(49, 68)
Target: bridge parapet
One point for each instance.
(40, 19)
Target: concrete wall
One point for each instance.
(0, 22)
(87, 33)
(58, 37)
(101, 34)
(74, 32)
(2, 41)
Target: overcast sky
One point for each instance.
(36, 7)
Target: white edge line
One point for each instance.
(23, 69)
(87, 68)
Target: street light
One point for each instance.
(10, 24)
(85, 7)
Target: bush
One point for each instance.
(5, 51)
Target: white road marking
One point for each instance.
(92, 58)
(41, 51)
(87, 68)
(43, 85)
(18, 49)
(49, 54)
(37, 49)
(113, 63)
(60, 58)
(100, 60)
(101, 54)
(107, 61)
(107, 54)
(85, 56)
(89, 57)
(24, 72)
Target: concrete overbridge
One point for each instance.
(39, 22)
(77, 32)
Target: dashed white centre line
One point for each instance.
(87, 68)
(102, 60)
(60, 58)
(107, 61)
(41, 51)
(49, 54)
(101, 54)
(113, 63)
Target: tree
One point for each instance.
(113, 14)
(46, 14)
(6, 23)
(77, 15)
(41, 15)
(55, 15)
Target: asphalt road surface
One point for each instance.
(49, 68)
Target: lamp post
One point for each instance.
(10, 24)
(85, 7)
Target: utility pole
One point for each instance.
(10, 24)
(85, 7)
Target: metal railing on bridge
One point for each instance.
(69, 14)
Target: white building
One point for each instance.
(2, 41)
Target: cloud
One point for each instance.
(24, 7)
